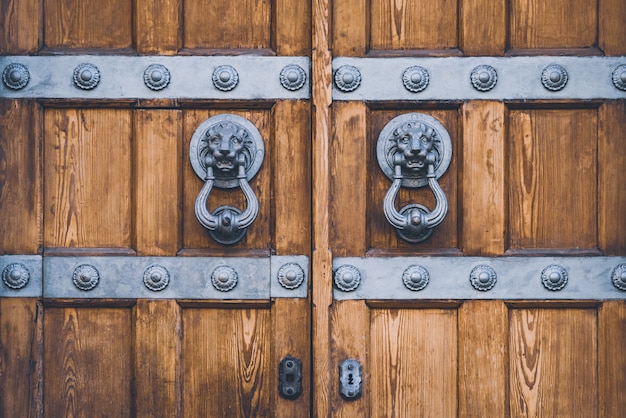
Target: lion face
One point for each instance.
(225, 143)
(415, 144)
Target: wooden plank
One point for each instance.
(611, 163)
(537, 24)
(350, 29)
(612, 31)
(553, 362)
(413, 362)
(88, 367)
(291, 160)
(157, 371)
(227, 24)
(20, 26)
(414, 25)
(87, 169)
(21, 361)
(158, 26)
(552, 178)
(226, 363)
(483, 27)
(20, 177)
(611, 361)
(350, 338)
(157, 181)
(484, 202)
(292, 27)
(258, 234)
(483, 359)
(348, 174)
(82, 24)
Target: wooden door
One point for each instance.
(102, 174)
(530, 177)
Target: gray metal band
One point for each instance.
(32, 263)
(589, 278)
(450, 78)
(122, 77)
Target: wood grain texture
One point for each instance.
(483, 359)
(258, 234)
(227, 24)
(408, 24)
(553, 363)
(20, 177)
(291, 162)
(611, 163)
(382, 235)
(157, 358)
(20, 26)
(226, 363)
(413, 362)
(291, 27)
(348, 176)
(87, 24)
(611, 360)
(612, 31)
(88, 367)
(484, 183)
(157, 181)
(350, 339)
(21, 359)
(87, 171)
(552, 178)
(483, 27)
(158, 26)
(350, 28)
(537, 24)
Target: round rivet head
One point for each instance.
(415, 278)
(15, 76)
(483, 278)
(484, 77)
(156, 77)
(292, 77)
(225, 78)
(224, 278)
(85, 277)
(415, 79)
(554, 277)
(290, 276)
(619, 77)
(618, 277)
(15, 276)
(554, 77)
(347, 78)
(347, 278)
(86, 76)
(156, 277)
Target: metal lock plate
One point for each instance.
(290, 377)
(350, 379)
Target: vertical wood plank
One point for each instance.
(88, 178)
(611, 163)
(612, 31)
(20, 177)
(483, 359)
(20, 26)
(88, 368)
(291, 161)
(292, 27)
(483, 27)
(413, 362)
(158, 26)
(21, 359)
(611, 361)
(157, 181)
(484, 204)
(348, 174)
(350, 339)
(553, 362)
(350, 36)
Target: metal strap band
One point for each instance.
(155, 77)
(479, 78)
(506, 278)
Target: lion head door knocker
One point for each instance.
(226, 151)
(414, 150)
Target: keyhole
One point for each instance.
(290, 377)
(350, 379)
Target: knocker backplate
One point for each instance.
(413, 124)
(253, 148)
